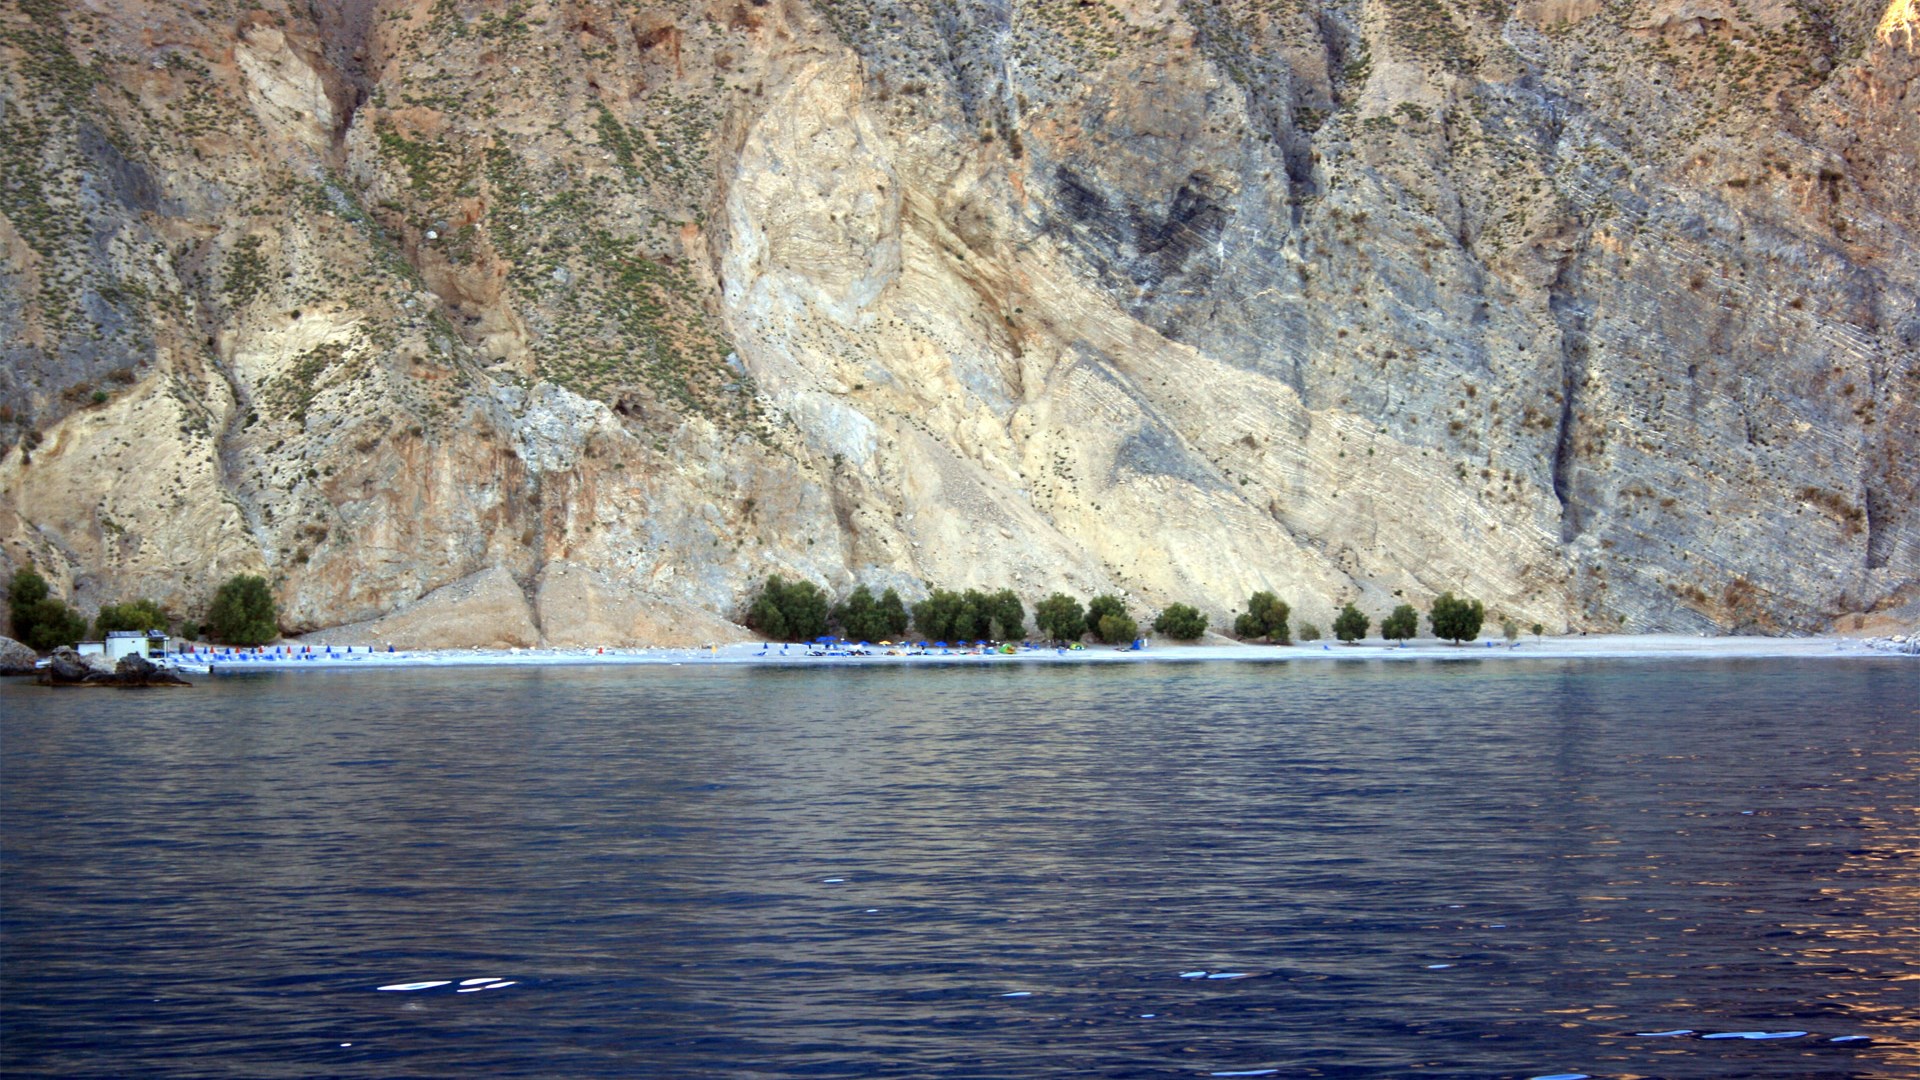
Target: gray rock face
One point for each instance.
(68, 668)
(15, 658)
(1604, 315)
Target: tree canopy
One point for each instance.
(243, 612)
(1114, 629)
(971, 616)
(1401, 625)
(1005, 616)
(1456, 619)
(1108, 619)
(41, 621)
(1060, 618)
(1266, 617)
(789, 611)
(133, 615)
(862, 617)
(942, 616)
(1181, 622)
(1350, 625)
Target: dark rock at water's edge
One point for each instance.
(68, 668)
(15, 658)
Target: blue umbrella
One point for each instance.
(939, 644)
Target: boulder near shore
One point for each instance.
(69, 668)
(15, 658)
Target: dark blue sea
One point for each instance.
(1355, 870)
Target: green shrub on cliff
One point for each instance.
(243, 612)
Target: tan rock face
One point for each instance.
(571, 322)
(485, 611)
(582, 607)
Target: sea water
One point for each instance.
(1468, 869)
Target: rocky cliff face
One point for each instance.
(579, 317)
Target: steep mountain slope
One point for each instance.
(577, 318)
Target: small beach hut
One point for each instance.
(121, 643)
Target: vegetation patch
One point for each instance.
(245, 275)
(294, 390)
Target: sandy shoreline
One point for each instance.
(1610, 647)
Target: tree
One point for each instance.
(764, 615)
(1114, 629)
(1060, 618)
(1510, 630)
(25, 589)
(1537, 630)
(1108, 606)
(805, 606)
(1266, 617)
(857, 616)
(939, 614)
(133, 615)
(1401, 625)
(243, 612)
(864, 618)
(1309, 632)
(25, 592)
(892, 615)
(970, 623)
(1006, 618)
(1350, 626)
(1181, 622)
(1456, 619)
(41, 621)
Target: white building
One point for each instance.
(145, 643)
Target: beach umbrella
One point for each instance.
(939, 644)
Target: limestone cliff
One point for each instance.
(577, 318)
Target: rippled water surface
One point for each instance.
(1342, 870)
